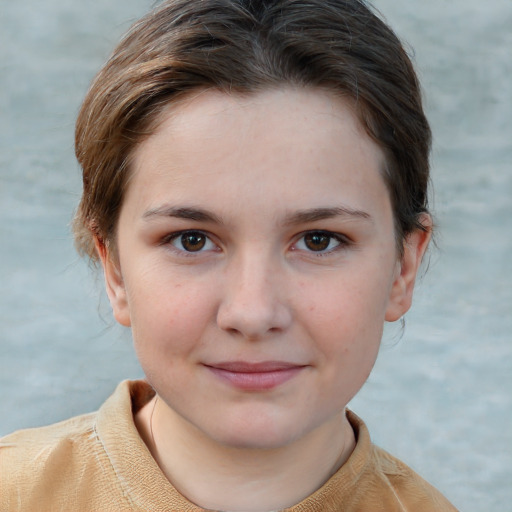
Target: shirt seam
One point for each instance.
(124, 489)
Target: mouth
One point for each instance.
(255, 376)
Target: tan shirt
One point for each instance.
(98, 462)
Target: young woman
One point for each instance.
(255, 187)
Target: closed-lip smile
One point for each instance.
(260, 376)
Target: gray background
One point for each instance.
(439, 398)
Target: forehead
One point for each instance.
(317, 109)
(286, 144)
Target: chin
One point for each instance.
(256, 441)
(256, 434)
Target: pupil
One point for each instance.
(317, 241)
(193, 241)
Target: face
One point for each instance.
(256, 263)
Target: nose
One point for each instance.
(254, 304)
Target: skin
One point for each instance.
(293, 260)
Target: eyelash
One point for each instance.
(342, 241)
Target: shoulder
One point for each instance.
(409, 489)
(36, 462)
(36, 446)
(389, 483)
(87, 463)
(68, 465)
(28, 452)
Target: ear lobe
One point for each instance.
(415, 245)
(114, 284)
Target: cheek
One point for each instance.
(168, 315)
(348, 303)
(345, 317)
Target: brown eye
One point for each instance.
(191, 241)
(321, 242)
(317, 241)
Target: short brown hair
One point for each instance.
(246, 46)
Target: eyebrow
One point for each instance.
(197, 214)
(299, 217)
(316, 214)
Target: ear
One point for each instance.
(415, 245)
(114, 284)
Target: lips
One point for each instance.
(255, 376)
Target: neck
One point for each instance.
(220, 477)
